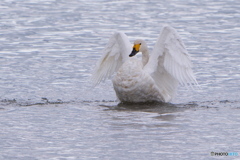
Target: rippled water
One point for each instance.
(48, 109)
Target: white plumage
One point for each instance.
(156, 77)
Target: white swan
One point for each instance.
(156, 77)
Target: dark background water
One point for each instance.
(48, 109)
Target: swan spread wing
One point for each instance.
(115, 54)
(170, 63)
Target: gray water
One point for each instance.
(48, 110)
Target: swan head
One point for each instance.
(138, 46)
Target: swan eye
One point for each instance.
(140, 43)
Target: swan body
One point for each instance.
(132, 84)
(155, 77)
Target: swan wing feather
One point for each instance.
(170, 63)
(115, 54)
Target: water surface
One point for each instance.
(48, 109)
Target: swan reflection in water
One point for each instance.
(162, 111)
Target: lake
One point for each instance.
(49, 109)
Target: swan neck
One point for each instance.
(145, 57)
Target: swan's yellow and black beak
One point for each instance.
(135, 50)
